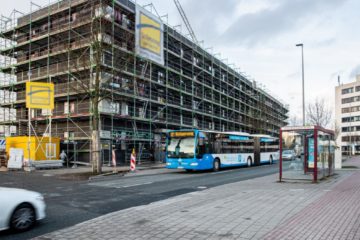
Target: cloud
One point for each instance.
(263, 26)
(207, 16)
(293, 75)
(354, 72)
(324, 43)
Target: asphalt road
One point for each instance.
(72, 202)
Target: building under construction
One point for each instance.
(140, 98)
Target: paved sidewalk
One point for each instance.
(254, 209)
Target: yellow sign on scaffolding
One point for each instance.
(149, 36)
(40, 95)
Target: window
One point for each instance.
(69, 135)
(160, 77)
(346, 100)
(347, 90)
(45, 112)
(351, 99)
(357, 89)
(50, 150)
(69, 107)
(350, 139)
(350, 119)
(350, 109)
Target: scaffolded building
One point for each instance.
(193, 89)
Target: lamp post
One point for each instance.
(303, 88)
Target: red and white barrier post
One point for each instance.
(133, 161)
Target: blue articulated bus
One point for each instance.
(202, 150)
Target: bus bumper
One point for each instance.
(190, 164)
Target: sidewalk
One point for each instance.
(254, 209)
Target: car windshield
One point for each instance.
(181, 147)
(287, 152)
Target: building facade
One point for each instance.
(347, 114)
(141, 98)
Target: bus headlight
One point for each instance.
(194, 164)
(168, 164)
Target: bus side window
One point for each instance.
(217, 146)
(208, 146)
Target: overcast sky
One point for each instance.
(259, 36)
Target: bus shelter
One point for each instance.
(306, 153)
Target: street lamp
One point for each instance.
(303, 89)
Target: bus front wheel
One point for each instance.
(249, 162)
(216, 165)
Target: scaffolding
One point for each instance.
(141, 99)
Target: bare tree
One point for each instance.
(318, 113)
(337, 130)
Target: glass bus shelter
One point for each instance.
(306, 153)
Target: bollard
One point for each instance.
(133, 161)
(114, 160)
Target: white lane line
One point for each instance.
(135, 185)
(201, 187)
(225, 171)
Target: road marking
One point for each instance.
(202, 187)
(219, 172)
(296, 189)
(225, 171)
(135, 185)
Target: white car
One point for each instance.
(20, 209)
(288, 155)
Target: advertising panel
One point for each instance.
(149, 36)
(311, 153)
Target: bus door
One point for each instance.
(257, 150)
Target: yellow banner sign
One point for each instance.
(149, 34)
(40, 95)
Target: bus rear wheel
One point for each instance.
(216, 165)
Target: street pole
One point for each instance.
(303, 88)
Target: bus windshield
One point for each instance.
(181, 147)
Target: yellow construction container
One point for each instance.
(41, 149)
